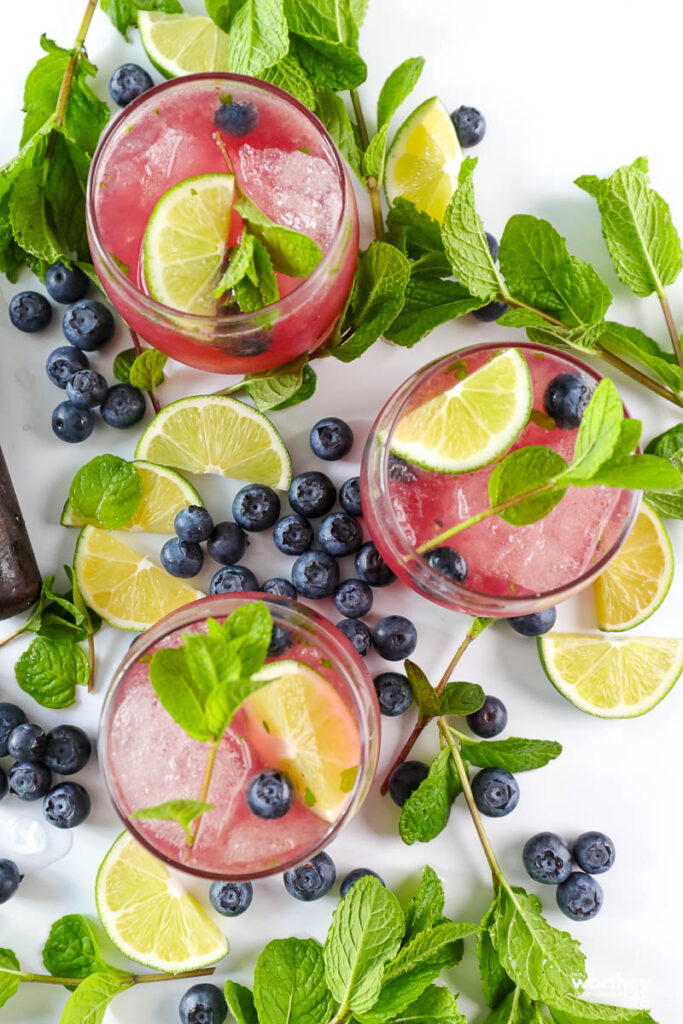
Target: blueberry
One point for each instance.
(393, 693)
(280, 641)
(371, 567)
(340, 534)
(227, 543)
(405, 779)
(86, 389)
(10, 717)
(269, 794)
(279, 587)
(594, 852)
(30, 311)
(67, 805)
(9, 879)
(245, 344)
(547, 859)
(27, 742)
(3, 784)
(448, 562)
(68, 749)
(401, 471)
(470, 126)
(128, 82)
(71, 423)
(203, 1004)
(358, 634)
(315, 574)
(236, 119)
(495, 792)
(349, 496)
(394, 637)
(490, 719)
(123, 407)
(182, 558)
(492, 243)
(565, 399)
(256, 507)
(331, 439)
(490, 312)
(579, 896)
(293, 535)
(311, 880)
(354, 876)
(64, 362)
(231, 898)
(233, 579)
(88, 324)
(29, 780)
(65, 283)
(353, 599)
(195, 524)
(312, 494)
(535, 624)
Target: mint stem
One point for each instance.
(126, 979)
(201, 972)
(91, 663)
(673, 333)
(204, 792)
(12, 636)
(138, 351)
(69, 72)
(371, 180)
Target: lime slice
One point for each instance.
(611, 678)
(473, 422)
(217, 434)
(125, 588)
(149, 916)
(164, 494)
(638, 578)
(185, 242)
(300, 724)
(424, 159)
(182, 44)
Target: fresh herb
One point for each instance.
(107, 490)
(147, 370)
(668, 445)
(122, 364)
(182, 812)
(124, 13)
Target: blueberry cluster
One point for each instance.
(548, 859)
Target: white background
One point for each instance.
(566, 89)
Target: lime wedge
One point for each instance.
(611, 678)
(182, 44)
(638, 578)
(164, 494)
(424, 159)
(472, 423)
(149, 916)
(300, 724)
(185, 242)
(125, 588)
(217, 434)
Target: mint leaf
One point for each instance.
(9, 983)
(179, 693)
(426, 811)
(258, 37)
(331, 110)
(631, 344)
(429, 302)
(289, 984)
(122, 364)
(271, 388)
(86, 617)
(494, 980)
(124, 13)
(88, 1003)
(50, 669)
(577, 1011)
(240, 1003)
(598, 432)
(516, 1008)
(28, 216)
(374, 156)
(426, 906)
(325, 38)
(358, 9)
(250, 629)
(521, 472)
(147, 372)
(183, 812)
(288, 74)
(584, 337)
(461, 698)
(422, 232)
(71, 950)
(398, 88)
(291, 252)
(376, 299)
(309, 382)
(424, 693)
(465, 242)
(668, 445)
(107, 489)
(222, 11)
(325, 19)
(240, 264)
(436, 1005)
(258, 288)
(514, 754)
(640, 472)
(637, 227)
(366, 930)
(629, 437)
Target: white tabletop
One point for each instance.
(581, 88)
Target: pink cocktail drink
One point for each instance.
(511, 570)
(148, 759)
(287, 164)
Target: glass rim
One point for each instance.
(144, 301)
(199, 610)
(431, 575)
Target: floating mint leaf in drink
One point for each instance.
(516, 477)
(183, 812)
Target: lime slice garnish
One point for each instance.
(611, 678)
(164, 494)
(300, 724)
(182, 44)
(637, 580)
(149, 917)
(472, 423)
(185, 242)
(217, 434)
(126, 589)
(424, 159)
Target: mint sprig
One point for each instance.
(107, 489)
(668, 445)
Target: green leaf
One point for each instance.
(424, 693)
(629, 437)
(64, 189)
(107, 489)
(331, 110)
(258, 37)
(637, 227)
(426, 906)
(306, 390)
(436, 1005)
(122, 364)
(289, 984)
(377, 297)
(577, 1011)
(222, 11)
(366, 931)
(50, 669)
(259, 288)
(398, 88)
(291, 252)
(288, 74)
(668, 445)
(640, 472)
(429, 302)
(147, 372)
(271, 388)
(71, 950)
(426, 811)
(250, 629)
(514, 1009)
(327, 63)
(28, 216)
(461, 698)
(375, 154)
(124, 13)
(240, 1003)
(515, 754)
(89, 619)
(422, 232)
(183, 812)
(584, 337)
(9, 983)
(240, 264)
(494, 980)
(88, 1003)
(179, 693)
(598, 432)
(358, 9)
(630, 344)
(522, 472)
(323, 19)
(465, 242)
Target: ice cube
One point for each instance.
(28, 839)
